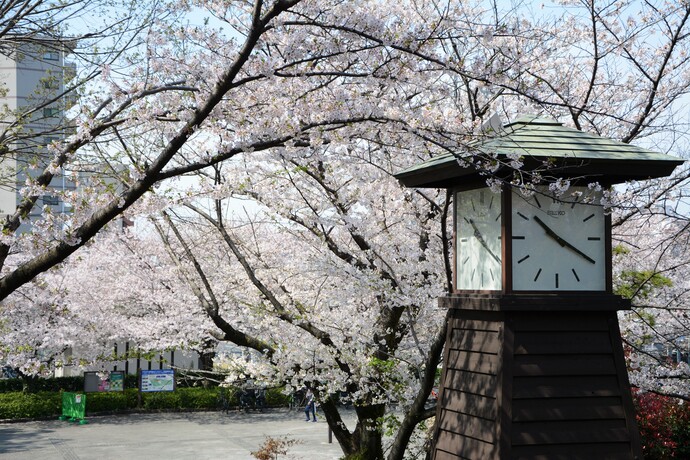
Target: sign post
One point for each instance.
(154, 381)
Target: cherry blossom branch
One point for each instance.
(296, 139)
(56, 254)
(210, 304)
(281, 312)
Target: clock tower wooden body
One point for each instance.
(534, 366)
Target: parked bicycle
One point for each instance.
(252, 399)
(223, 400)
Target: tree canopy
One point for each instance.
(302, 110)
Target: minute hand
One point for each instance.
(561, 241)
(481, 240)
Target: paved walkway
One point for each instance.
(195, 435)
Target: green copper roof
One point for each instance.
(536, 139)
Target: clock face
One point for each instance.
(558, 243)
(478, 240)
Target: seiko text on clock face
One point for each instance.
(478, 238)
(558, 243)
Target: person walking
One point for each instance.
(311, 406)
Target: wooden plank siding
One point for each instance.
(566, 388)
(456, 446)
(534, 385)
(575, 451)
(468, 415)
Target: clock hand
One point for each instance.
(561, 241)
(480, 238)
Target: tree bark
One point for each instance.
(417, 413)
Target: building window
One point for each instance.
(50, 112)
(51, 56)
(47, 140)
(51, 200)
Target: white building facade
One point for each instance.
(33, 102)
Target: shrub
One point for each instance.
(19, 405)
(10, 385)
(131, 381)
(276, 398)
(182, 399)
(271, 447)
(111, 402)
(664, 424)
(198, 398)
(37, 384)
(45, 404)
(165, 400)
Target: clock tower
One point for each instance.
(533, 364)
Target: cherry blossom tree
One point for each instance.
(307, 108)
(327, 283)
(652, 270)
(297, 64)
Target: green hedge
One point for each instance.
(36, 385)
(276, 398)
(30, 405)
(182, 399)
(20, 405)
(10, 385)
(111, 402)
(178, 400)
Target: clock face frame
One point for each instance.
(558, 244)
(478, 255)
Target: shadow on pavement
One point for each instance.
(202, 418)
(15, 439)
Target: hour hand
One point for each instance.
(561, 241)
(482, 241)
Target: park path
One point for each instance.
(192, 435)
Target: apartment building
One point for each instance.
(33, 104)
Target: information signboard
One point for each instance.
(117, 381)
(93, 383)
(159, 380)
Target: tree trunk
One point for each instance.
(367, 440)
(417, 412)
